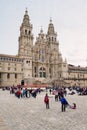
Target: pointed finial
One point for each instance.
(50, 20)
(26, 12)
(41, 31)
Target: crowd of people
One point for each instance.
(22, 92)
(58, 92)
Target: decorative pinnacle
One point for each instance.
(41, 30)
(26, 12)
(50, 20)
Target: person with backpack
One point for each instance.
(46, 101)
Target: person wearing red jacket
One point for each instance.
(46, 100)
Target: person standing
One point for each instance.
(50, 91)
(56, 96)
(64, 103)
(46, 100)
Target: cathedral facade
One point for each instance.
(40, 61)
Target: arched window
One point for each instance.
(8, 76)
(42, 59)
(52, 38)
(29, 32)
(42, 72)
(15, 76)
(0, 75)
(41, 68)
(49, 70)
(25, 31)
(27, 62)
(35, 69)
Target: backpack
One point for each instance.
(46, 100)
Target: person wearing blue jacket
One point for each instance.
(64, 103)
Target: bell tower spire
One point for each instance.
(26, 19)
(26, 36)
(50, 27)
(52, 36)
(25, 46)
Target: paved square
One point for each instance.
(31, 114)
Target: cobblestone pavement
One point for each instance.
(31, 114)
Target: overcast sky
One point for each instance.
(69, 18)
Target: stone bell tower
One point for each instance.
(52, 37)
(25, 47)
(26, 37)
